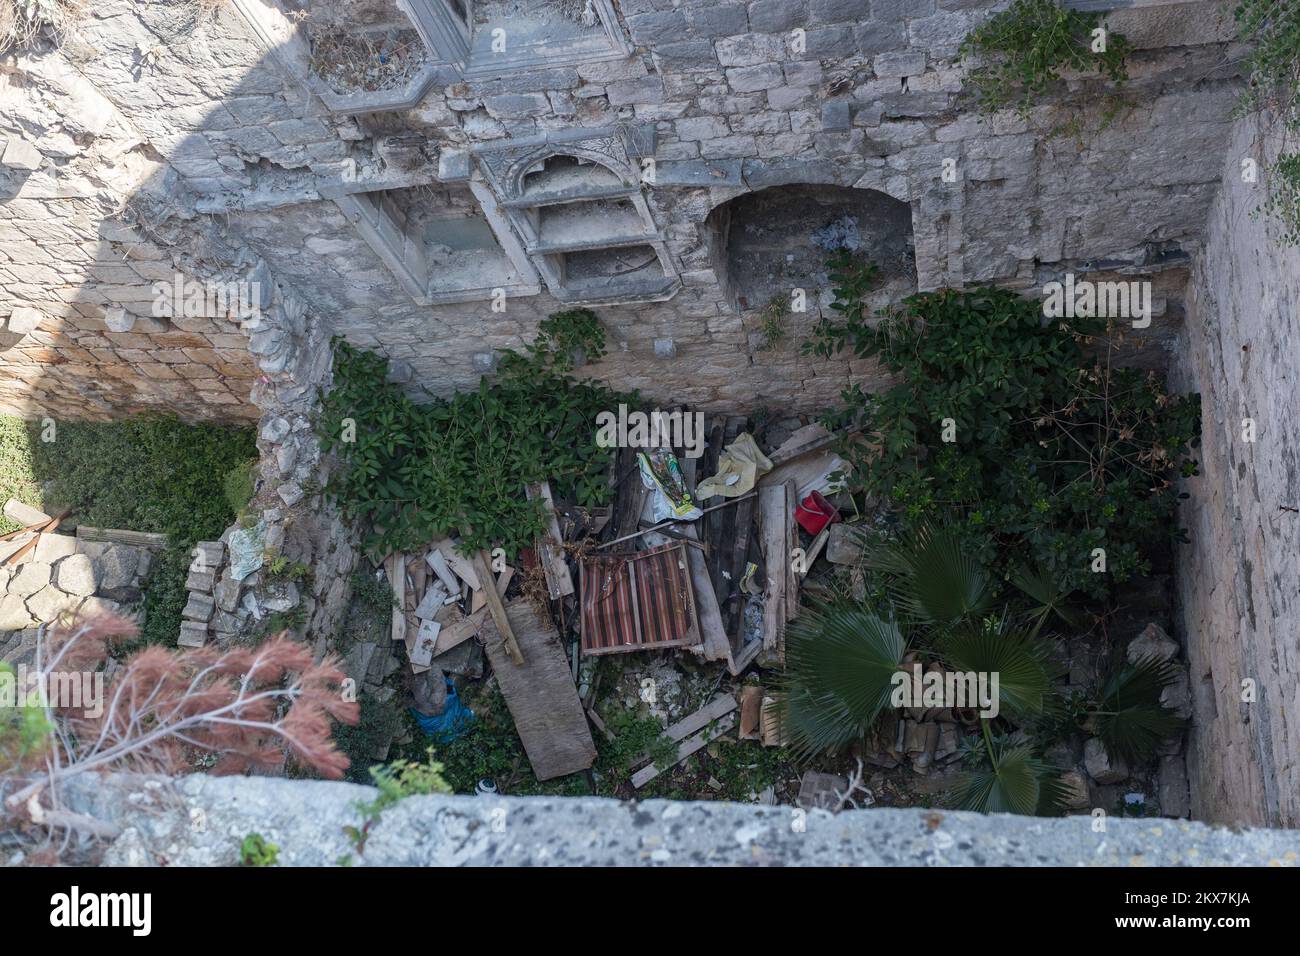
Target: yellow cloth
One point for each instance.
(741, 458)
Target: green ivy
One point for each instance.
(459, 466)
(1023, 50)
(1056, 451)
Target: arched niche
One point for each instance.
(765, 243)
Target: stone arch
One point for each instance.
(764, 243)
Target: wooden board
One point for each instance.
(713, 632)
(494, 606)
(395, 569)
(136, 539)
(775, 518)
(541, 696)
(687, 747)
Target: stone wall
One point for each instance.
(201, 820)
(64, 574)
(222, 142)
(1238, 576)
(78, 262)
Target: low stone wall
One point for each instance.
(64, 574)
(201, 820)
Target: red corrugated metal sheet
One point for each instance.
(633, 602)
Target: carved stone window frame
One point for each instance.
(402, 251)
(506, 164)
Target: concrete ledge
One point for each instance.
(200, 821)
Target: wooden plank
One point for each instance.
(804, 441)
(687, 747)
(395, 568)
(479, 601)
(815, 549)
(483, 567)
(551, 552)
(720, 706)
(791, 576)
(136, 539)
(776, 560)
(456, 632)
(543, 702)
(453, 634)
(631, 494)
(713, 522)
(708, 614)
(437, 562)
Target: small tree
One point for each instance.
(251, 707)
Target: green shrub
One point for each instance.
(1056, 452)
(239, 485)
(1024, 48)
(459, 466)
(255, 851)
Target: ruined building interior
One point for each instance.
(428, 180)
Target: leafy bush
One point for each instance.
(1024, 48)
(1055, 452)
(459, 466)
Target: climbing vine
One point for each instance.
(459, 466)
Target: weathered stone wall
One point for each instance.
(77, 264)
(1238, 575)
(201, 820)
(221, 142)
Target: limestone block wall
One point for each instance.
(80, 335)
(65, 574)
(215, 155)
(199, 820)
(1238, 575)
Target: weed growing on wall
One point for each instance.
(1020, 429)
(1273, 30)
(22, 21)
(1022, 50)
(459, 466)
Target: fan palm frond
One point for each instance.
(1130, 719)
(1048, 596)
(1014, 781)
(1020, 662)
(840, 664)
(932, 578)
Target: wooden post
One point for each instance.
(483, 566)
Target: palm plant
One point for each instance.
(841, 661)
(1128, 716)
